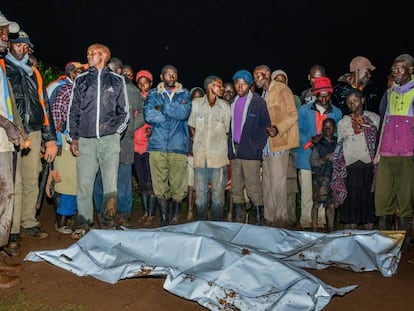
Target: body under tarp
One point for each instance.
(230, 266)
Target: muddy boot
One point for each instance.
(175, 215)
(405, 224)
(237, 215)
(110, 212)
(164, 218)
(385, 222)
(145, 207)
(13, 247)
(314, 216)
(330, 218)
(259, 215)
(190, 203)
(152, 205)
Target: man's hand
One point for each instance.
(74, 148)
(272, 131)
(51, 151)
(315, 139)
(14, 134)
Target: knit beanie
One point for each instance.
(244, 75)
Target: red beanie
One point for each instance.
(143, 73)
(322, 84)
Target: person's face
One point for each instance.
(323, 98)
(328, 129)
(313, 75)
(241, 87)
(4, 38)
(19, 50)
(96, 58)
(144, 84)
(228, 92)
(128, 73)
(169, 77)
(280, 78)
(364, 76)
(261, 77)
(196, 94)
(74, 73)
(115, 68)
(355, 103)
(217, 88)
(401, 73)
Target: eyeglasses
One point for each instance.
(398, 69)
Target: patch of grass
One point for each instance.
(19, 302)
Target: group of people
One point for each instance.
(246, 144)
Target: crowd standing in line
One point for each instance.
(240, 144)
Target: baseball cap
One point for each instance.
(22, 37)
(360, 63)
(143, 73)
(13, 26)
(74, 65)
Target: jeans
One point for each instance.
(217, 178)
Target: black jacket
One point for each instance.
(341, 90)
(99, 104)
(25, 89)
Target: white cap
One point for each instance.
(13, 26)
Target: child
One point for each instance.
(358, 134)
(144, 81)
(322, 173)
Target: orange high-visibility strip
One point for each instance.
(3, 64)
(40, 93)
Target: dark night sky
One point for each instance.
(219, 37)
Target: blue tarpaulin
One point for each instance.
(230, 266)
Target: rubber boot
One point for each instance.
(190, 203)
(238, 212)
(145, 207)
(201, 212)
(152, 207)
(385, 222)
(164, 218)
(175, 215)
(330, 218)
(314, 216)
(259, 215)
(405, 224)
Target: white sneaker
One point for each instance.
(63, 229)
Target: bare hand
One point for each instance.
(272, 131)
(74, 148)
(51, 151)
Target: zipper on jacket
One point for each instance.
(98, 103)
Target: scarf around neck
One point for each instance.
(23, 63)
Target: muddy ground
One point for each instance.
(46, 287)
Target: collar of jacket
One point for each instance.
(329, 108)
(161, 89)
